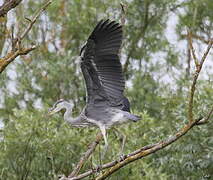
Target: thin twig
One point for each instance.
(206, 52)
(193, 87)
(188, 60)
(32, 22)
(195, 36)
(192, 49)
(123, 13)
(205, 120)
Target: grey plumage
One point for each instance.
(106, 105)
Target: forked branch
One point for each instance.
(17, 49)
(196, 74)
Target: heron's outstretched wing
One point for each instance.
(95, 92)
(101, 63)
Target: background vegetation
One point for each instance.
(158, 69)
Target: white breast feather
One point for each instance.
(117, 118)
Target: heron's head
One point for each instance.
(59, 105)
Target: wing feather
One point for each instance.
(102, 63)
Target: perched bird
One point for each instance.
(106, 105)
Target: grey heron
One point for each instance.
(106, 104)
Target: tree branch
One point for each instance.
(205, 120)
(3, 31)
(32, 22)
(110, 164)
(86, 156)
(123, 13)
(7, 6)
(192, 50)
(193, 87)
(17, 49)
(195, 36)
(12, 55)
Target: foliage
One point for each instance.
(35, 146)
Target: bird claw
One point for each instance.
(122, 157)
(96, 169)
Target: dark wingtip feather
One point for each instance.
(104, 26)
(97, 27)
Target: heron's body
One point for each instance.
(99, 116)
(106, 104)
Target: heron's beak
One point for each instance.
(51, 111)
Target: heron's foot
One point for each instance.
(96, 169)
(122, 157)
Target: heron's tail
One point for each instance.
(135, 118)
(131, 117)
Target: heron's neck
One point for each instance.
(68, 114)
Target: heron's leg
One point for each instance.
(103, 131)
(123, 138)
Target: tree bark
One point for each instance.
(7, 6)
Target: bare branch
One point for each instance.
(195, 36)
(16, 45)
(193, 87)
(5, 61)
(3, 32)
(34, 19)
(205, 120)
(206, 52)
(192, 49)
(123, 13)
(86, 156)
(7, 6)
(188, 60)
